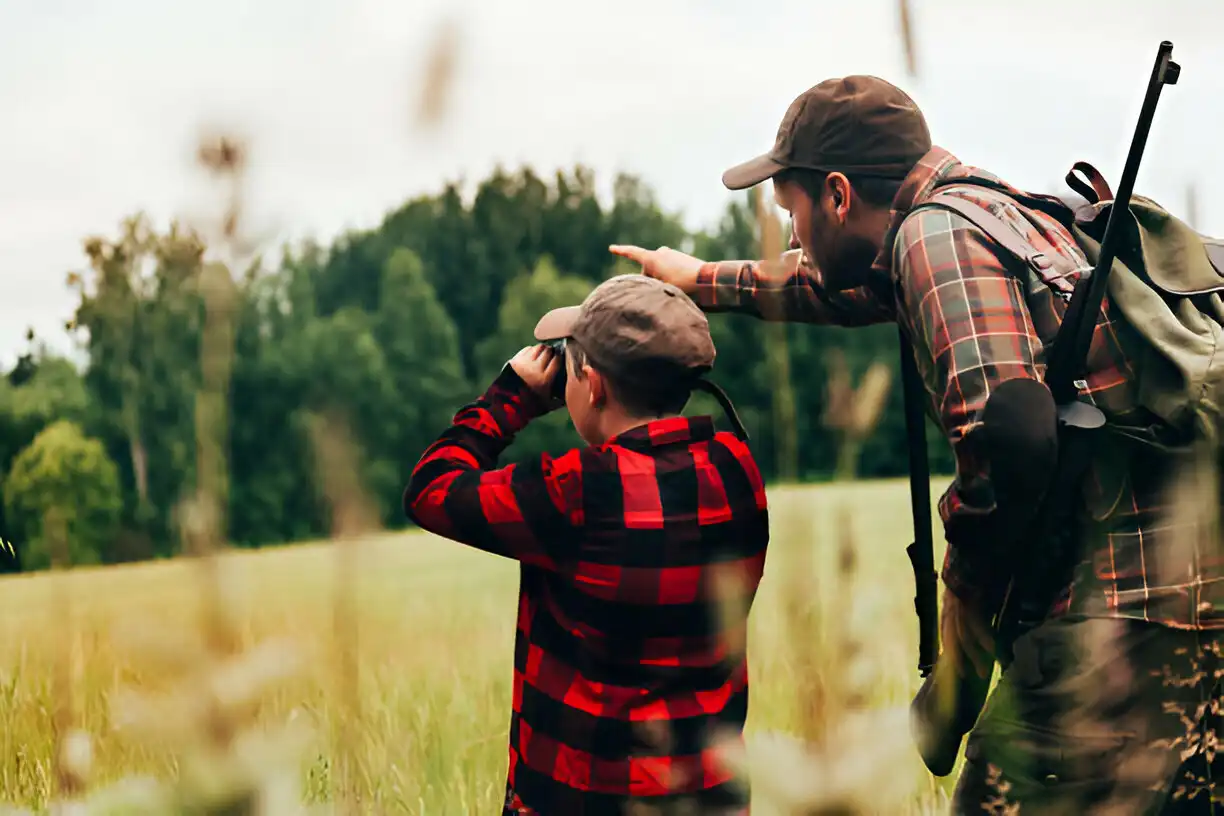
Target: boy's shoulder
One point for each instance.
(628, 464)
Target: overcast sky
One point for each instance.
(103, 100)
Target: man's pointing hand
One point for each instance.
(665, 264)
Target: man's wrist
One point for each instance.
(706, 285)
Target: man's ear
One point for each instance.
(837, 188)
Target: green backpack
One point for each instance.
(1167, 282)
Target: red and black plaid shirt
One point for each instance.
(622, 672)
(976, 323)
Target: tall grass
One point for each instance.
(434, 662)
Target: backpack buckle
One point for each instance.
(1040, 262)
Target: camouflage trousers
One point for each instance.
(1101, 716)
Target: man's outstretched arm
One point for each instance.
(785, 289)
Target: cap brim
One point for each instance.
(751, 173)
(557, 324)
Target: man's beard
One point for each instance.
(850, 259)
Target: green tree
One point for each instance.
(141, 311)
(63, 476)
(420, 344)
(340, 370)
(526, 300)
(271, 495)
(50, 388)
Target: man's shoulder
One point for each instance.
(999, 220)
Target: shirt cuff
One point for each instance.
(718, 286)
(512, 402)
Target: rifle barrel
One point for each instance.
(1074, 337)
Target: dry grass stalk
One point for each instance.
(210, 715)
(225, 157)
(438, 82)
(777, 357)
(801, 617)
(205, 527)
(731, 604)
(907, 38)
(71, 763)
(853, 412)
(352, 515)
(248, 772)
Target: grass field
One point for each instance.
(434, 630)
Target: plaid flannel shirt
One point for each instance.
(975, 323)
(622, 668)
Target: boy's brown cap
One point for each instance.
(635, 325)
(857, 125)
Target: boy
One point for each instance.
(622, 672)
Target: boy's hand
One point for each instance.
(537, 366)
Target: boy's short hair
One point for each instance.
(638, 399)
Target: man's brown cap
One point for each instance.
(857, 125)
(637, 327)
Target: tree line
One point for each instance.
(391, 328)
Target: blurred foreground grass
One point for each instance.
(434, 631)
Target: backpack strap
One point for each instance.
(1063, 211)
(1215, 253)
(1098, 191)
(1052, 271)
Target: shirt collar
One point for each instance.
(669, 431)
(932, 168)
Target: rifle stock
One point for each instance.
(950, 699)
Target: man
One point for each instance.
(1091, 710)
(624, 672)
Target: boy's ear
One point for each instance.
(598, 386)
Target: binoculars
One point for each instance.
(557, 390)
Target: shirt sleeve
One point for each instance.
(969, 323)
(784, 290)
(457, 491)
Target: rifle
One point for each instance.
(1018, 415)
(921, 550)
